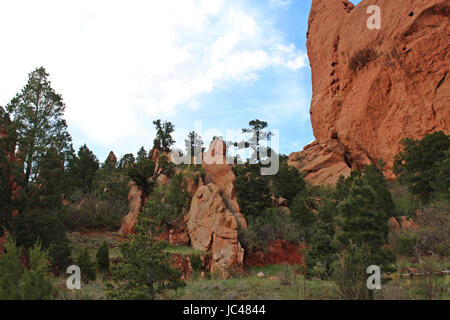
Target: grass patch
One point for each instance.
(185, 251)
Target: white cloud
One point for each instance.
(281, 3)
(116, 63)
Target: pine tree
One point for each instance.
(323, 250)
(163, 139)
(146, 270)
(102, 257)
(52, 183)
(364, 212)
(423, 165)
(257, 129)
(288, 182)
(37, 115)
(303, 216)
(36, 282)
(253, 190)
(86, 265)
(82, 169)
(141, 155)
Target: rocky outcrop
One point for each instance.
(135, 206)
(322, 163)
(214, 228)
(372, 88)
(214, 216)
(218, 172)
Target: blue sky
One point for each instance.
(214, 63)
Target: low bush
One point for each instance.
(88, 211)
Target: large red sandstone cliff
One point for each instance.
(372, 88)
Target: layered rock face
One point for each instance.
(372, 88)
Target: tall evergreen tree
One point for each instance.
(288, 182)
(257, 128)
(252, 189)
(141, 155)
(323, 249)
(37, 115)
(423, 165)
(52, 183)
(163, 140)
(82, 169)
(364, 211)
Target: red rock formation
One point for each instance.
(372, 88)
(213, 227)
(214, 217)
(220, 173)
(135, 205)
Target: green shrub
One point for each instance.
(19, 282)
(89, 211)
(350, 272)
(10, 271)
(405, 204)
(60, 256)
(287, 275)
(145, 271)
(102, 257)
(196, 262)
(36, 281)
(46, 227)
(434, 229)
(404, 242)
(86, 265)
